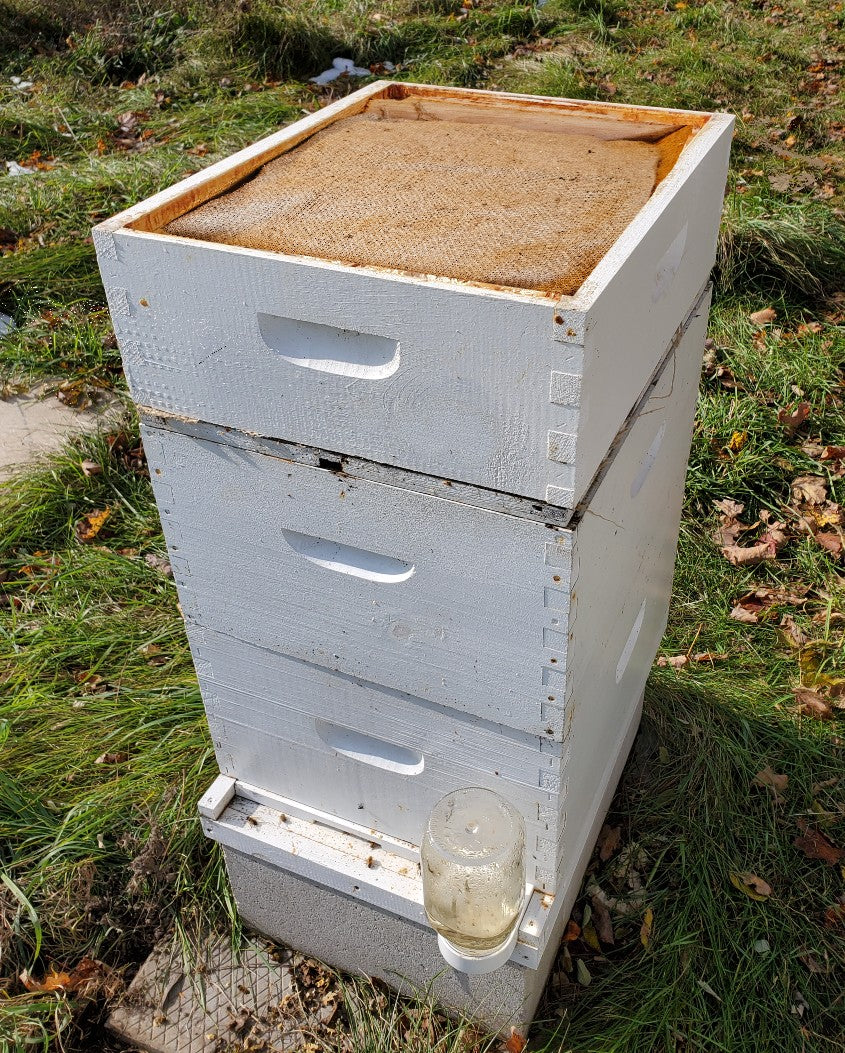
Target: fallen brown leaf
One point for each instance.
(830, 542)
(601, 917)
(765, 596)
(826, 784)
(812, 704)
(159, 563)
(88, 974)
(810, 963)
(74, 393)
(793, 633)
(93, 682)
(675, 661)
(573, 931)
(743, 614)
(53, 981)
(515, 1042)
(112, 758)
(815, 845)
(794, 416)
(729, 527)
(754, 887)
(767, 547)
(769, 779)
(832, 453)
(610, 837)
(90, 468)
(732, 509)
(810, 488)
(763, 316)
(834, 917)
(709, 656)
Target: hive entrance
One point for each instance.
(475, 200)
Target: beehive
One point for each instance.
(416, 378)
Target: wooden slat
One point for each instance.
(518, 115)
(390, 475)
(587, 107)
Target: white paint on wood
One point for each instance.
(355, 866)
(309, 689)
(287, 806)
(387, 758)
(367, 641)
(330, 860)
(565, 388)
(217, 797)
(469, 629)
(464, 629)
(329, 350)
(335, 357)
(358, 467)
(323, 854)
(620, 313)
(625, 556)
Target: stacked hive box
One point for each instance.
(423, 527)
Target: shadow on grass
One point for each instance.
(720, 971)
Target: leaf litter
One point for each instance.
(768, 779)
(815, 845)
(753, 886)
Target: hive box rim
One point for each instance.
(144, 219)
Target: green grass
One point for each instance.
(98, 859)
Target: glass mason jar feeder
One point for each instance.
(473, 877)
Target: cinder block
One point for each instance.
(359, 938)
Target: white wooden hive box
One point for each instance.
(520, 391)
(365, 649)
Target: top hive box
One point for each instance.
(475, 286)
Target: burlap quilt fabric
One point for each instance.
(478, 202)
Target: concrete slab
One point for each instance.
(222, 1001)
(36, 423)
